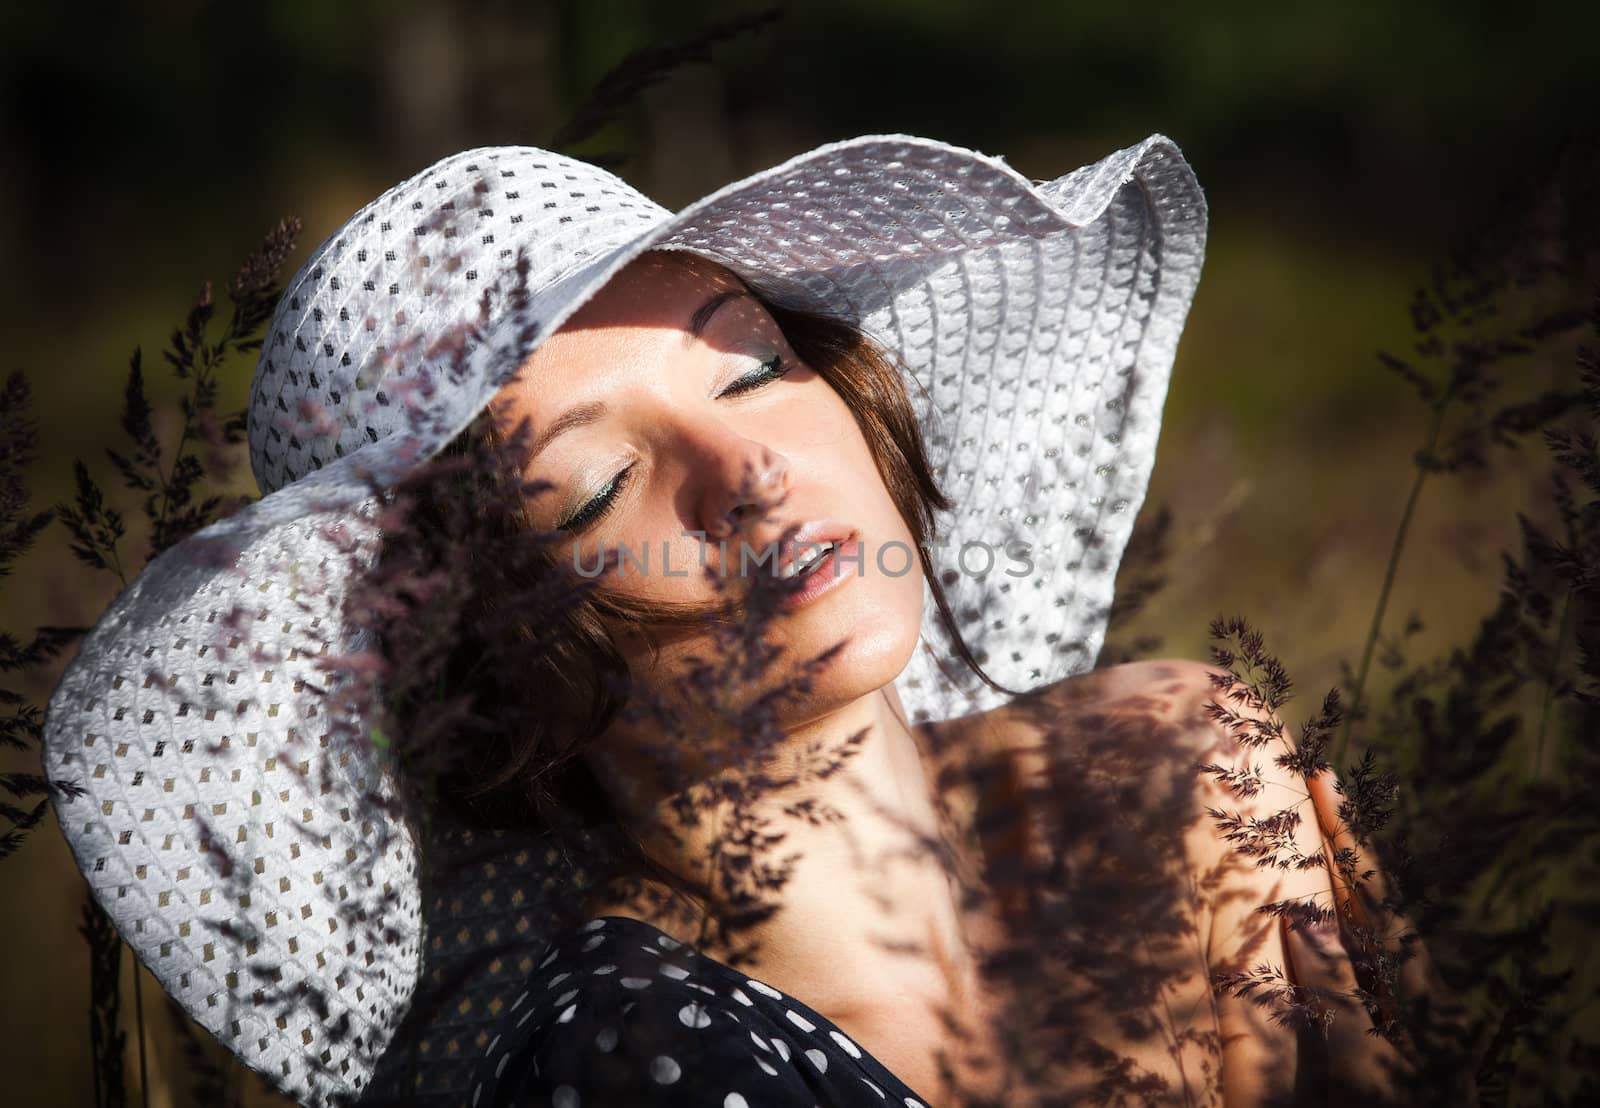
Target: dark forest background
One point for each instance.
(1346, 151)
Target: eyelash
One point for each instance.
(603, 502)
(768, 372)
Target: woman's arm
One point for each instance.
(1289, 998)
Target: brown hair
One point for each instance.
(530, 774)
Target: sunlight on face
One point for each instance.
(671, 407)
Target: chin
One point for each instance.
(879, 628)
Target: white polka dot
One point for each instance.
(760, 1042)
(734, 1100)
(566, 1014)
(635, 982)
(517, 1003)
(594, 925)
(782, 1048)
(764, 990)
(600, 971)
(594, 941)
(606, 1041)
(565, 1096)
(818, 1059)
(664, 1070)
(526, 1016)
(566, 996)
(628, 1007)
(707, 989)
(913, 1102)
(798, 1020)
(500, 1066)
(875, 1089)
(694, 1015)
(476, 1093)
(556, 980)
(651, 950)
(845, 1044)
(677, 973)
(738, 994)
(767, 1067)
(548, 958)
(670, 944)
(494, 1042)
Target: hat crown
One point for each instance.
(392, 298)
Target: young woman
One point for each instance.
(893, 399)
(704, 438)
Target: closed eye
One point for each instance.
(766, 373)
(601, 504)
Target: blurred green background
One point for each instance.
(1344, 149)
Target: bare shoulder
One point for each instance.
(1167, 695)
(1138, 731)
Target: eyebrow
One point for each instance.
(581, 415)
(701, 319)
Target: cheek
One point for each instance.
(840, 447)
(659, 561)
(874, 488)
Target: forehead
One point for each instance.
(640, 318)
(657, 289)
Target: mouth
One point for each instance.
(810, 547)
(806, 561)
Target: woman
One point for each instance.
(1016, 338)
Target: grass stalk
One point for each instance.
(1395, 550)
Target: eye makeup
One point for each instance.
(768, 371)
(598, 506)
(771, 369)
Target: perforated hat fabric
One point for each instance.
(228, 828)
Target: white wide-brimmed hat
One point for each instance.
(228, 829)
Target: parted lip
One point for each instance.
(810, 536)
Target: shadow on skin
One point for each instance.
(1123, 903)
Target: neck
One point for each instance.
(866, 914)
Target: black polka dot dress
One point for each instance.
(619, 1013)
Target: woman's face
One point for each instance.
(674, 421)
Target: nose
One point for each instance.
(746, 483)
